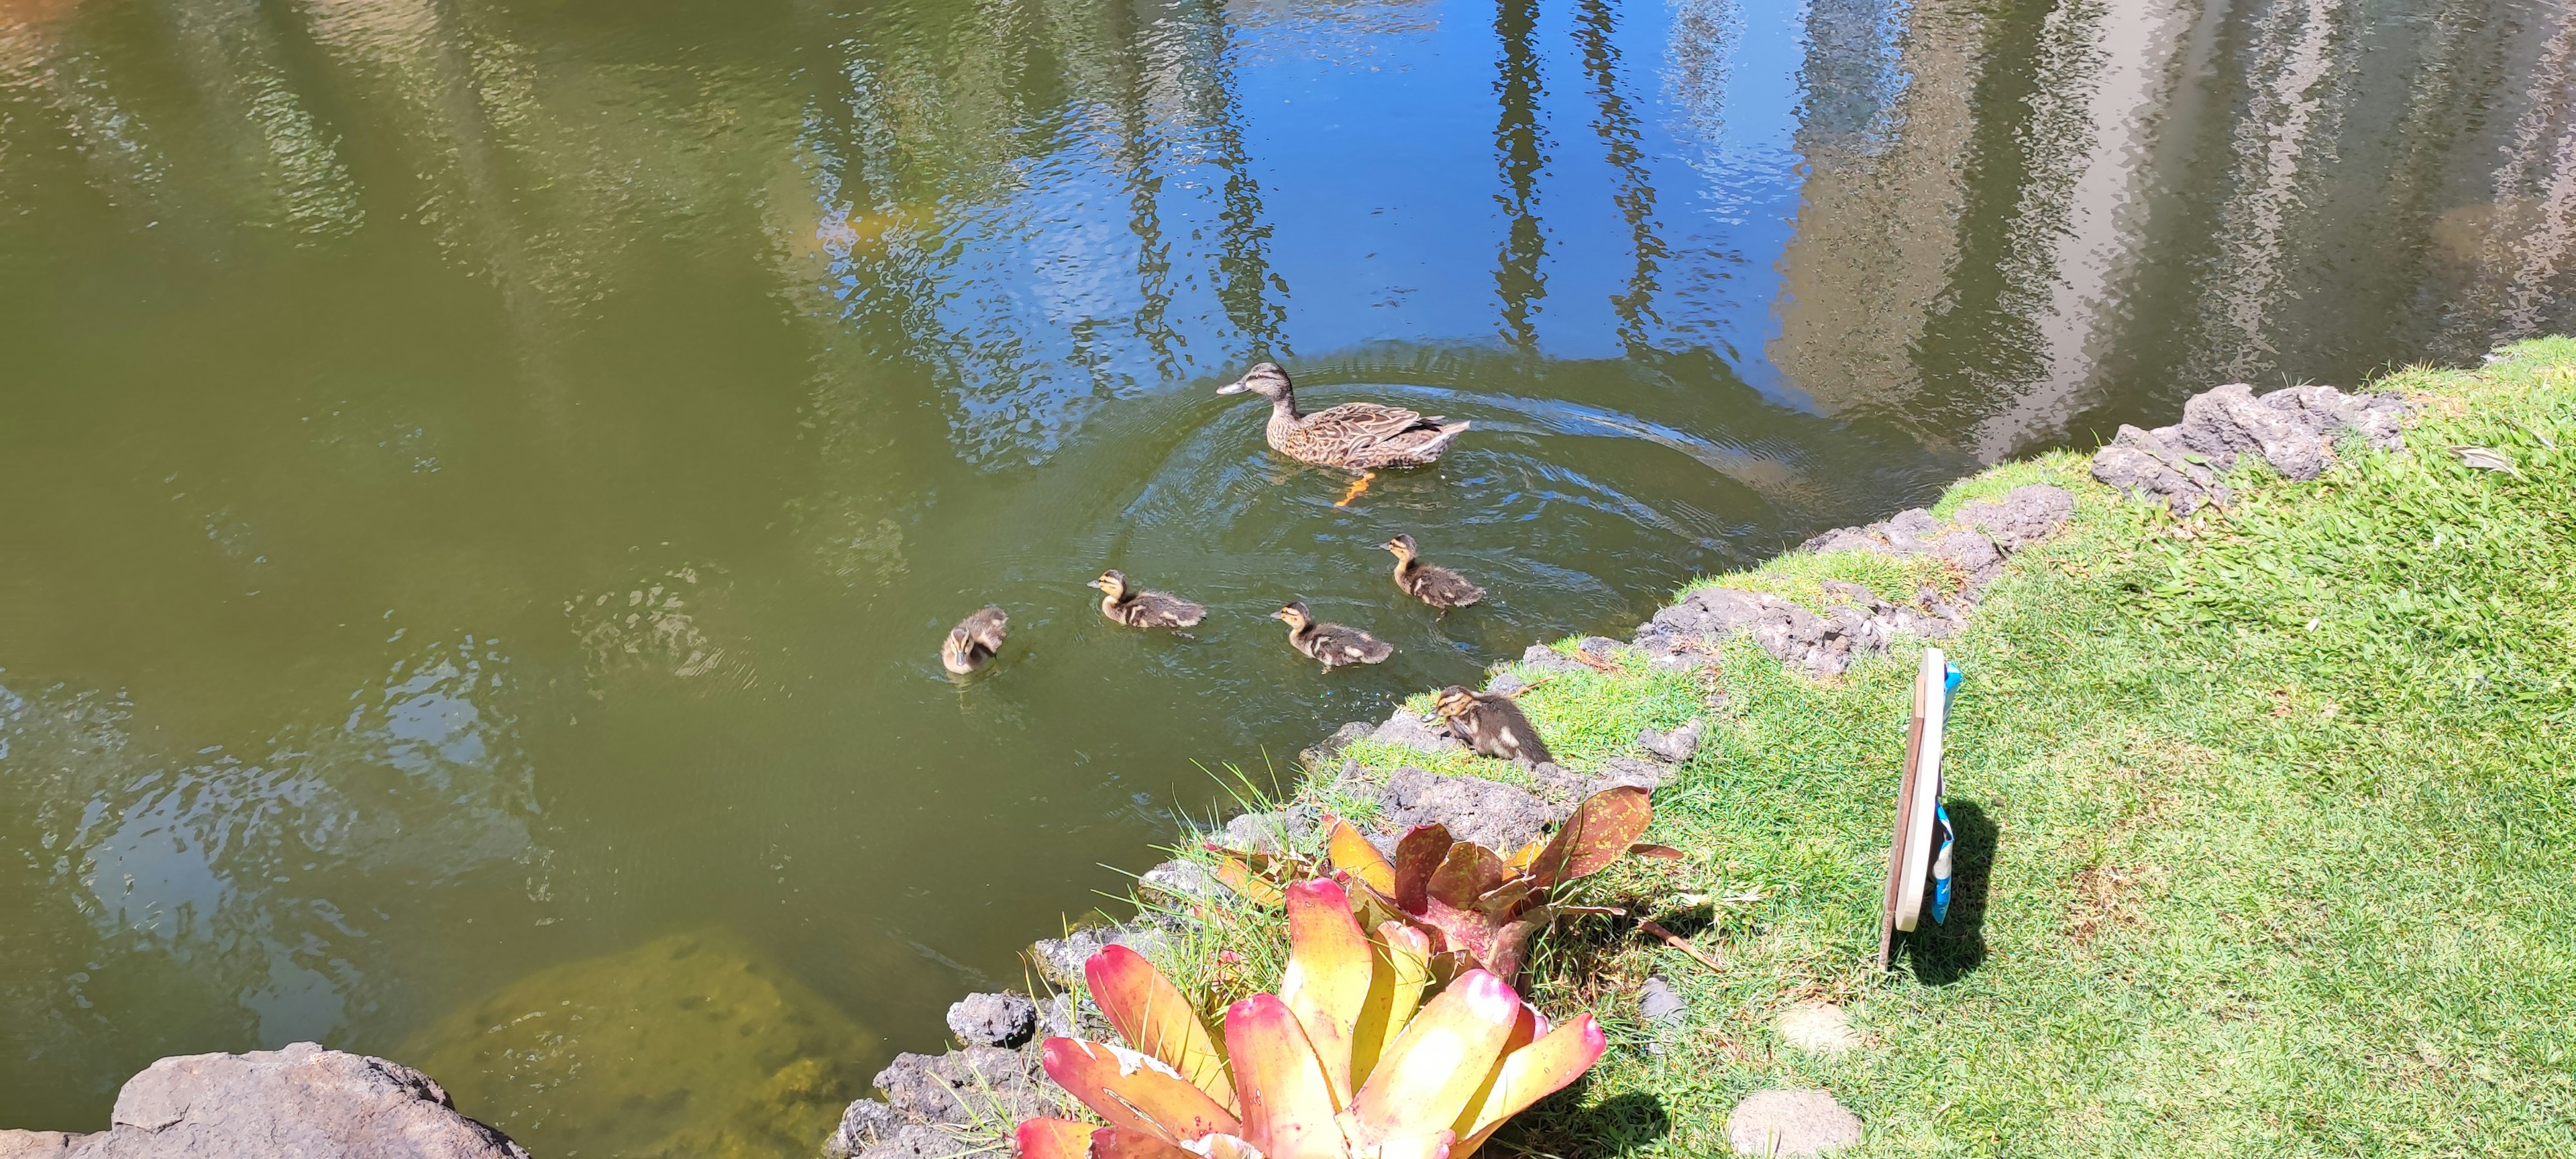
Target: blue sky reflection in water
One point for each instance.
(488, 479)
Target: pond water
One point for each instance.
(486, 481)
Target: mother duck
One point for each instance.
(1355, 436)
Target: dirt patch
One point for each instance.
(2108, 898)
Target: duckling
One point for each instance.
(1141, 609)
(1491, 724)
(1358, 437)
(972, 643)
(1434, 585)
(1331, 645)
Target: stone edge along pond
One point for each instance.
(307, 1099)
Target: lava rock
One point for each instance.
(997, 1019)
(2380, 419)
(1405, 728)
(1790, 633)
(1542, 658)
(916, 1141)
(1271, 832)
(976, 1084)
(1489, 813)
(1180, 881)
(1675, 747)
(1785, 1122)
(1657, 1001)
(1619, 772)
(1061, 959)
(1323, 751)
(2141, 465)
(1602, 647)
(301, 1100)
(2024, 516)
(1505, 684)
(862, 1125)
(1061, 1017)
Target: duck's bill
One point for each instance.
(1232, 388)
(1092, 584)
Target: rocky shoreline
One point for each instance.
(304, 1099)
(932, 1101)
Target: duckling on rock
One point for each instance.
(1491, 724)
(1143, 609)
(1434, 585)
(1331, 645)
(974, 641)
(1355, 436)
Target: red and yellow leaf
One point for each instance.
(1133, 1091)
(1153, 1016)
(1529, 1074)
(1352, 854)
(1241, 878)
(1417, 855)
(1400, 967)
(1327, 980)
(1425, 1079)
(1287, 1101)
(1598, 833)
(1054, 1139)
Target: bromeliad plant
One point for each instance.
(1480, 908)
(1346, 1061)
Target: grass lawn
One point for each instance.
(2267, 819)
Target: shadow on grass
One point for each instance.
(1945, 953)
(1563, 1128)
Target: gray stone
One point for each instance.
(1843, 539)
(1617, 772)
(1505, 684)
(1061, 959)
(1323, 751)
(1060, 1017)
(2145, 465)
(2226, 423)
(1790, 633)
(1545, 659)
(996, 1019)
(1676, 747)
(1974, 555)
(1405, 728)
(1601, 647)
(301, 1100)
(1657, 1001)
(1785, 1122)
(1908, 531)
(1273, 831)
(862, 1125)
(2024, 516)
(1179, 881)
(976, 1084)
(919, 1141)
(1489, 813)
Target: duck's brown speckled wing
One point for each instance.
(1158, 610)
(1365, 435)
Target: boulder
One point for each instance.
(1617, 772)
(301, 1100)
(1489, 813)
(1786, 1122)
(1675, 747)
(1179, 881)
(978, 1084)
(997, 1019)
(2142, 465)
(1061, 959)
(1790, 633)
(2024, 516)
(920, 1141)
(863, 1124)
(1323, 751)
(1406, 729)
(1540, 657)
(1270, 832)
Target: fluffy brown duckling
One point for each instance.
(1491, 724)
(1143, 609)
(974, 641)
(1331, 645)
(1434, 585)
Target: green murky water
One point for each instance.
(485, 481)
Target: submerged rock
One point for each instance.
(302, 1100)
(993, 1019)
(747, 1059)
